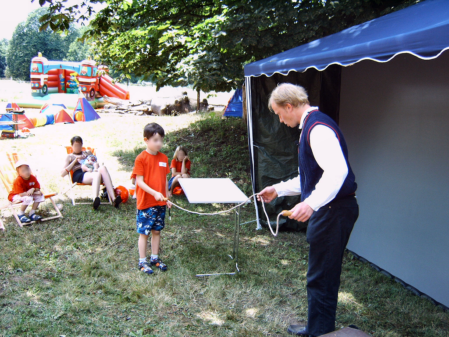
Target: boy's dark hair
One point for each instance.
(151, 129)
(76, 139)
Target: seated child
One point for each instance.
(180, 167)
(89, 164)
(26, 189)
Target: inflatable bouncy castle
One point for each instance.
(73, 77)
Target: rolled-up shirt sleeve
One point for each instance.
(289, 187)
(329, 156)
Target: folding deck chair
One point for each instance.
(69, 150)
(8, 174)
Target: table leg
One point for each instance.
(235, 253)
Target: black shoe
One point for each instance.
(298, 330)
(96, 203)
(117, 201)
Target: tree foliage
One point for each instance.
(28, 40)
(3, 50)
(207, 42)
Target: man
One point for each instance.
(327, 187)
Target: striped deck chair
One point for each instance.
(73, 185)
(8, 174)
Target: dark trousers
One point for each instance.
(328, 234)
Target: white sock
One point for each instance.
(154, 257)
(143, 260)
(32, 212)
(21, 212)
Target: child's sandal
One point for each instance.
(35, 217)
(24, 219)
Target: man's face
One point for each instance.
(285, 114)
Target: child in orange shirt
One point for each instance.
(26, 189)
(151, 169)
(180, 167)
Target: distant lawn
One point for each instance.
(77, 276)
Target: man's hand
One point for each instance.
(268, 194)
(30, 191)
(159, 196)
(301, 212)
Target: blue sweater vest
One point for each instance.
(310, 171)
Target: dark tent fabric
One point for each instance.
(420, 30)
(273, 146)
(235, 105)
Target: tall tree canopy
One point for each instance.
(3, 50)
(206, 42)
(28, 40)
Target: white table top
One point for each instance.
(212, 190)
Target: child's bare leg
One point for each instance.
(35, 206)
(174, 183)
(155, 241)
(143, 240)
(107, 181)
(23, 208)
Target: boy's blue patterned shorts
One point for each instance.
(152, 218)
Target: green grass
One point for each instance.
(77, 276)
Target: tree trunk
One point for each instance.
(197, 100)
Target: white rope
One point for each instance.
(230, 209)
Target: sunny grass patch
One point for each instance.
(78, 276)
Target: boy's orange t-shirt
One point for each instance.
(154, 169)
(21, 185)
(176, 164)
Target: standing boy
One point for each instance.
(151, 169)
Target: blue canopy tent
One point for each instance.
(235, 105)
(385, 82)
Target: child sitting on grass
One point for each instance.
(180, 167)
(26, 189)
(151, 169)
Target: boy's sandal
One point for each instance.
(146, 268)
(24, 219)
(35, 217)
(159, 264)
(117, 201)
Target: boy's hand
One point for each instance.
(169, 204)
(30, 191)
(159, 196)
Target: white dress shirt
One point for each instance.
(329, 156)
